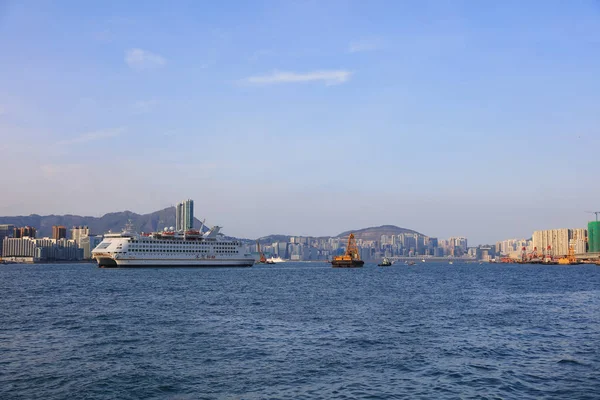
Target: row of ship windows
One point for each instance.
(170, 242)
(164, 248)
(179, 245)
(176, 251)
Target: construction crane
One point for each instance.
(548, 257)
(594, 212)
(263, 259)
(570, 259)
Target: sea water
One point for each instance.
(300, 331)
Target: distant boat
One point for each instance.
(275, 260)
(385, 263)
(450, 262)
(411, 263)
(423, 260)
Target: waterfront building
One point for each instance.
(420, 244)
(89, 243)
(26, 231)
(560, 239)
(408, 240)
(509, 246)
(580, 240)
(594, 236)
(458, 242)
(79, 232)
(59, 232)
(385, 240)
(365, 253)
(184, 217)
(29, 249)
(280, 249)
(6, 231)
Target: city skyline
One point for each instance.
(181, 215)
(306, 118)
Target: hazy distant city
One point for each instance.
(22, 244)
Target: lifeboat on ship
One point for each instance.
(192, 233)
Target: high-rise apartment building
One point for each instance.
(33, 250)
(59, 232)
(280, 249)
(79, 232)
(6, 231)
(460, 242)
(184, 215)
(594, 236)
(560, 239)
(26, 231)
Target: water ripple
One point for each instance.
(298, 331)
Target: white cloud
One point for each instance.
(91, 136)
(365, 45)
(143, 59)
(144, 106)
(332, 77)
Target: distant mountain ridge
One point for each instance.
(375, 233)
(372, 233)
(114, 222)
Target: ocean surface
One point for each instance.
(300, 331)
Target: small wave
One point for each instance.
(570, 361)
(483, 367)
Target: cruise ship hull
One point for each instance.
(106, 262)
(169, 249)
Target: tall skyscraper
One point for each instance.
(59, 232)
(184, 217)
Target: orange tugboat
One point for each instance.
(351, 259)
(263, 259)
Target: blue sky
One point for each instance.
(468, 118)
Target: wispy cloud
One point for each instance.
(91, 136)
(365, 45)
(143, 59)
(332, 77)
(144, 106)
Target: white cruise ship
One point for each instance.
(170, 249)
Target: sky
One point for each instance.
(452, 118)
